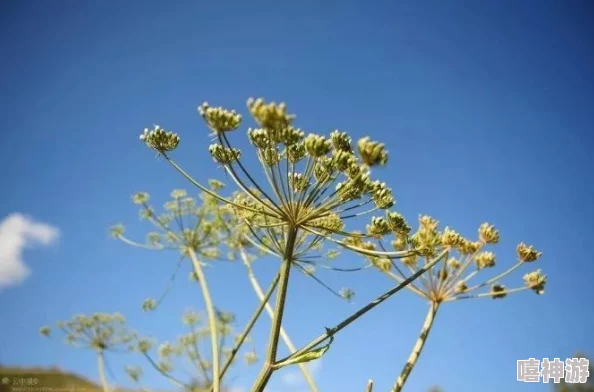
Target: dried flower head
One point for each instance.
(527, 253)
(160, 139)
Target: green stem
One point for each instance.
(101, 367)
(279, 309)
(369, 387)
(330, 332)
(249, 326)
(418, 347)
(212, 319)
(258, 289)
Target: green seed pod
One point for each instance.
(160, 139)
(372, 153)
(398, 223)
(222, 155)
(527, 253)
(316, 145)
(219, 119)
(536, 280)
(341, 141)
(498, 291)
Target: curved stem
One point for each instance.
(416, 351)
(212, 319)
(279, 309)
(101, 368)
(256, 286)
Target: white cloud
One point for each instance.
(17, 232)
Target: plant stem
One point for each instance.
(418, 347)
(346, 322)
(248, 328)
(256, 286)
(101, 367)
(212, 319)
(369, 387)
(279, 309)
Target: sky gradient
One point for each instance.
(486, 109)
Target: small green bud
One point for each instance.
(347, 293)
(45, 331)
(117, 230)
(498, 291)
(140, 198)
(149, 304)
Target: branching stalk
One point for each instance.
(256, 286)
(418, 347)
(279, 309)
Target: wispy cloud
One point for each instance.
(17, 232)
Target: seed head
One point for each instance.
(223, 155)
(485, 260)
(316, 145)
(271, 115)
(372, 153)
(378, 227)
(219, 119)
(160, 139)
(341, 141)
(527, 253)
(45, 330)
(488, 233)
(398, 223)
(536, 281)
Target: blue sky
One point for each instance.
(486, 108)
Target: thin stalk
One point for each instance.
(101, 368)
(165, 374)
(369, 387)
(279, 309)
(249, 326)
(256, 286)
(212, 319)
(418, 347)
(330, 332)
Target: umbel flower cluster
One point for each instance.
(186, 361)
(455, 277)
(98, 331)
(309, 186)
(466, 259)
(314, 183)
